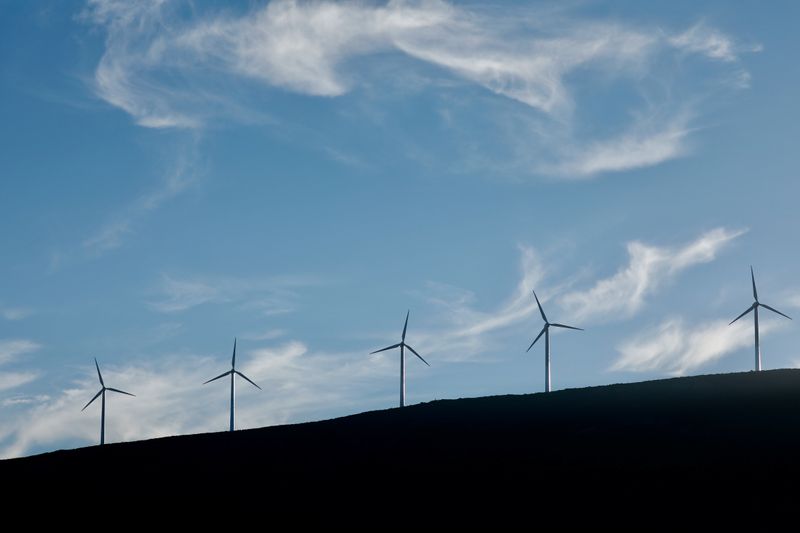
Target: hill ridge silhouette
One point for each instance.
(720, 431)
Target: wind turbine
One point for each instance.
(233, 372)
(754, 309)
(103, 409)
(546, 332)
(402, 345)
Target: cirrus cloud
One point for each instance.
(10, 351)
(677, 348)
(648, 268)
(173, 68)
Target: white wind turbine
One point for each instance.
(102, 393)
(233, 373)
(754, 309)
(402, 345)
(546, 332)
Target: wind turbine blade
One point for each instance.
(753, 278)
(387, 348)
(233, 359)
(544, 317)
(536, 339)
(220, 376)
(418, 355)
(740, 316)
(99, 375)
(774, 310)
(248, 379)
(565, 326)
(405, 326)
(93, 399)
(120, 391)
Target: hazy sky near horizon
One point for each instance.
(300, 174)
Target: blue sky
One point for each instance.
(299, 174)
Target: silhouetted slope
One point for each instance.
(693, 434)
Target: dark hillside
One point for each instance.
(714, 434)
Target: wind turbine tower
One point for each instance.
(102, 393)
(754, 308)
(546, 332)
(402, 345)
(233, 373)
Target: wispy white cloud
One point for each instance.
(298, 383)
(641, 147)
(345, 158)
(15, 313)
(467, 333)
(677, 348)
(268, 296)
(703, 39)
(108, 237)
(793, 298)
(10, 351)
(170, 69)
(116, 79)
(648, 268)
(180, 295)
(530, 69)
(24, 400)
(112, 234)
(266, 335)
(10, 380)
